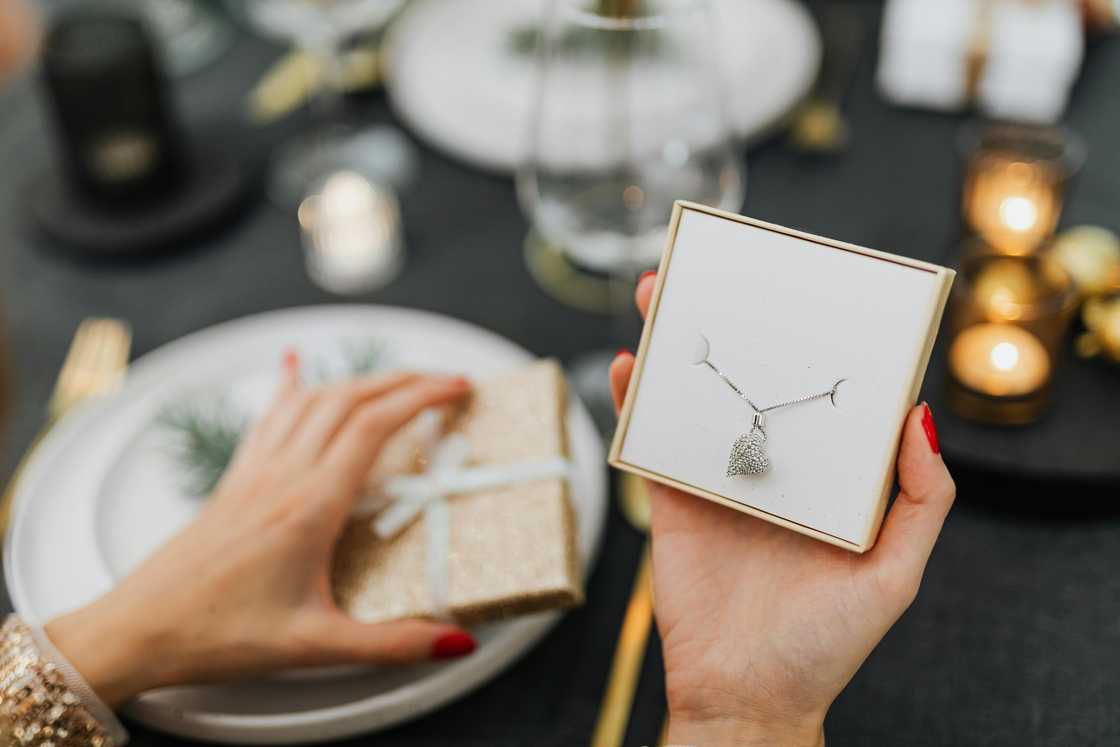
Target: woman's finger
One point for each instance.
(332, 408)
(621, 368)
(351, 454)
(926, 493)
(290, 379)
(289, 405)
(623, 364)
(643, 293)
(404, 642)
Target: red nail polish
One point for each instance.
(930, 429)
(291, 358)
(453, 645)
(623, 351)
(647, 274)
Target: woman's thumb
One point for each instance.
(926, 493)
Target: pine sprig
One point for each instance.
(206, 435)
(206, 431)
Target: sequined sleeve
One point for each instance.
(44, 702)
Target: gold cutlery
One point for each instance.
(94, 365)
(626, 667)
(292, 80)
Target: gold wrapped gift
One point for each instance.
(510, 549)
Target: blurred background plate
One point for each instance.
(458, 76)
(103, 491)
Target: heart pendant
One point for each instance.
(748, 455)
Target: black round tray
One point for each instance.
(215, 187)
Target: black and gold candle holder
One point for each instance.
(128, 179)
(1009, 317)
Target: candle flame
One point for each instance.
(1005, 356)
(1018, 213)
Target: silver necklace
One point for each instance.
(748, 453)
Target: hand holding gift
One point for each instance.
(245, 589)
(762, 627)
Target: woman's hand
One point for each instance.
(762, 627)
(245, 589)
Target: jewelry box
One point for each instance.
(775, 371)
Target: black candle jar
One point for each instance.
(119, 144)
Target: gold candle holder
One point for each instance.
(1008, 320)
(1015, 182)
(1101, 315)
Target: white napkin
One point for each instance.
(1035, 52)
(1034, 56)
(924, 53)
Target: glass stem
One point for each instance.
(326, 104)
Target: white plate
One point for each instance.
(102, 491)
(455, 81)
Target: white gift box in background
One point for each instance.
(924, 52)
(1018, 59)
(786, 314)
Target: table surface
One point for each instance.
(1015, 637)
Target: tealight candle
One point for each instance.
(1013, 205)
(352, 234)
(1004, 287)
(1015, 182)
(1009, 318)
(999, 360)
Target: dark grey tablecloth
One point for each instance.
(1015, 638)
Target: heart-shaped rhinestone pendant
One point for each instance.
(748, 455)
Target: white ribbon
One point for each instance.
(403, 498)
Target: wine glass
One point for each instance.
(629, 117)
(320, 29)
(191, 33)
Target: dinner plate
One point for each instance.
(104, 489)
(454, 75)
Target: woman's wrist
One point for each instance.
(116, 656)
(718, 732)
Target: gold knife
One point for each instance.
(626, 667)
(293, 79)
(94, 365)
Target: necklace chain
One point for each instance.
(831, 393)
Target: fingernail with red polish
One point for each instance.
(453, 645)
(647, 274)
(291, 358)
(930, 429)
(623, 351)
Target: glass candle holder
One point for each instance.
(1015, 183)
(351, 234)
(1009, 317)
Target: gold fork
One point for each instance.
(94, 365)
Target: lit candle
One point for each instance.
(1004, 287)
(999, 360)
(1014, 205)
(352, 234)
